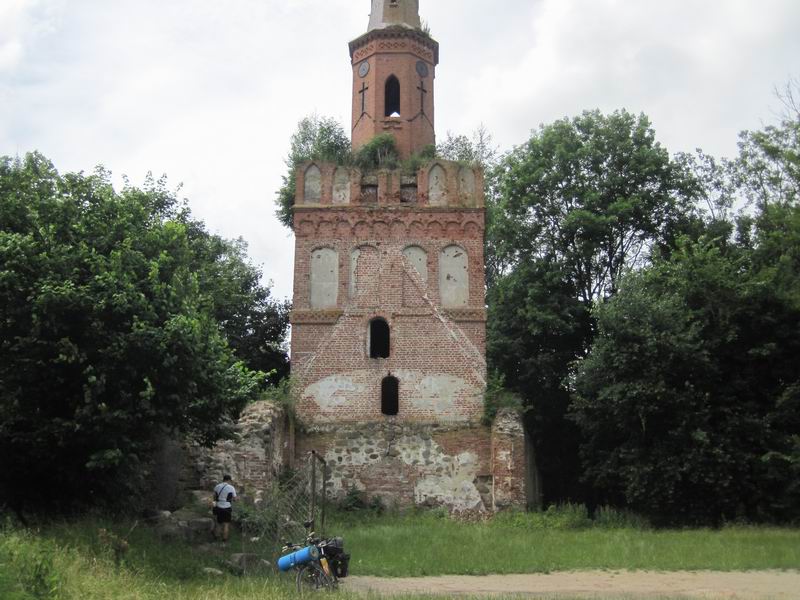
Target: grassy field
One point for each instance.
(426, 545)
(70, 560)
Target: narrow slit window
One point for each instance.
(392, 97)
(390, 396)
(379, 339)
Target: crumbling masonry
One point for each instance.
(389, 320)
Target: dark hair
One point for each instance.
(226, 478)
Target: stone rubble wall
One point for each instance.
(508, 461)
(406, 464)
(465, 468)
(263, 445)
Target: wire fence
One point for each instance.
(295, 499)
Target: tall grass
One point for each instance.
(67, 561)
(34, 567)
(557, 540)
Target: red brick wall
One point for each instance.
(508, 461)
(427, 340)
(394, 52)
(434, 451)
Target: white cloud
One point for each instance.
(21, 23)
(693, 67)
(209, 92)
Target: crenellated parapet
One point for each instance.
(438, 184)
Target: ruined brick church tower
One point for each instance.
(389, 319)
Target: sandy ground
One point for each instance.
(597, 584)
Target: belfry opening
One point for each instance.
(392, 97)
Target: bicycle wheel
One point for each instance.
(311, 578)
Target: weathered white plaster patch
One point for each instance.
(466, 185)
(377, 451)
(418, 259)
(438, 393)
(352, 286)
(454, 277)
(437, 186)
(454, 487)
(341, 186)
(331, 393)
(504, 456)
(312, 191)
(324, 278)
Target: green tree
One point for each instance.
(595, 193)
(582, 202)
(115, 314)
(255, 324)
(688, 402)
(316, 138)
(768, 167)
(478, 149)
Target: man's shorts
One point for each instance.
(224, 515)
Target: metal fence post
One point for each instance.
(313, 487)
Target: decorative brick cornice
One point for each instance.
(320, 317)
(394, 33)
(399, 208)
(382, 223)
(413, 312)
(466, 315)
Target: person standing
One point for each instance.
(224, 496)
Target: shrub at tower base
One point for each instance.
(113, 315)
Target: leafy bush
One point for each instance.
(498, 397)
(609, 517)
(316, 138)
(353, 500)
(282, 395)
(562, 516)
(257, 520)
(377, 505)
(378, 153)
(417, 160)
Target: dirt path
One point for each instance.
(598, 584)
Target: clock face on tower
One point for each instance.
(422, 69)
(363, 69)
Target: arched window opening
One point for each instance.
(313, 185)
(379, 339)
(324, 280)
(390, 396)
(454, 277)
(418, 259)
(392, 97)
(437, 186)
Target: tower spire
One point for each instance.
(388, 13)
(394, 66)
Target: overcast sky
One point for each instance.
(210, 91)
